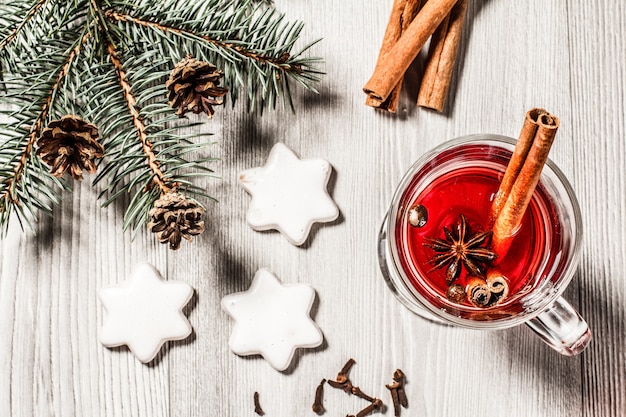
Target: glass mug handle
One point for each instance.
(562, 328)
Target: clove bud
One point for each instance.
(318, 407)
(377, 404)
(398, 377)
(398, 395)
(346, 386)
(342, 376)
(257, 405)
(357, 392)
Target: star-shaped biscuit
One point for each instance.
(272, 319)
(145, 312)
(289, 194)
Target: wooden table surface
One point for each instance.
(567, 57)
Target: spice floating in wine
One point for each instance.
(418, 216)
(461, 248)
(456, 293)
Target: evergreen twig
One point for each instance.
(35, 130)
(278, 62)
(13, 33)
(106, 61)
(131, 102)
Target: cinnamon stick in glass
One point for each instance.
(508, 220)
(402, 14)
(524, 142)
(395, 63)
(444, 47)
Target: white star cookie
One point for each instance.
(289, 194)
(272, 319)
(145, 312)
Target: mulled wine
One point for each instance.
(449, 192)
(469, 190)
(434, 244)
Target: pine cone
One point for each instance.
(70, 144)
(194, 86)
(173, 217)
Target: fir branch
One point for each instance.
(147, 157)
(106, 61)
(280, 62)
(13, 34)
(35, 130)
(20, 23)
(158, 176)
(12, 184)
(253, 44)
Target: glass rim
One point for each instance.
(538, 305)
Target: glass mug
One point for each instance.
(544, 260)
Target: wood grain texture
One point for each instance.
(599, 101)
(567, 58)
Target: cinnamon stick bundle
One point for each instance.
(444, 47)
(395, 63)
(523, 172)
(402, 14)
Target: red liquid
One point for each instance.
(469, 190)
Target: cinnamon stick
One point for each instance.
(444, 47)
(524, 142)
(402, 14)
(510, 217)
(395, 63)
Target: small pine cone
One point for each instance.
(173, 217)
(194, 86)
(70, 144)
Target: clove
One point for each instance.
(318, 407)
(351, 389)
(398, 377)
(342, 376)
(342, 381)
(393, 389)
(357, 392)
(346, 386)
(377, 404)
(257, 405)
(398, 395)
(402, 397)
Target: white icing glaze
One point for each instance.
(272, 319)
(289, 194)
(145, 312)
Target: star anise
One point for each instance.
(461, 248)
